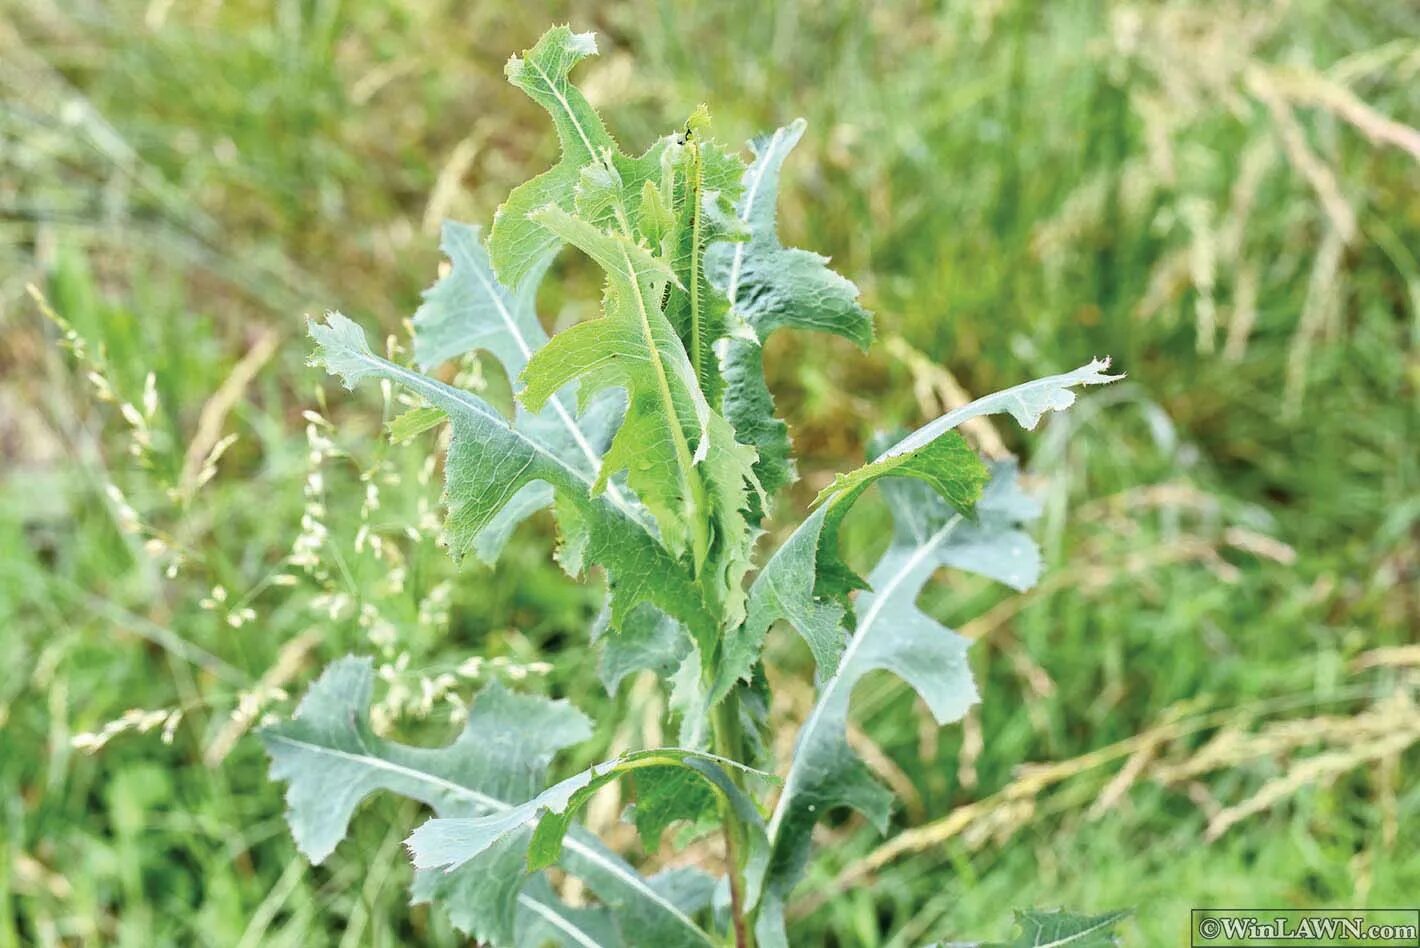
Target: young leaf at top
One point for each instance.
(680, 456)
(332, 761)
(705, 185)
(771, 287)
(519, 245)
(590, 173)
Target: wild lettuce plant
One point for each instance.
(651, 433)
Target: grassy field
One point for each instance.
(1210, 701)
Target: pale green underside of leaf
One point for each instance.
(332, 761)
(468, 309)
(491, 464)
(679, 782)
(648, 639)
(890, 632)
(772, 287)
(1026, 403)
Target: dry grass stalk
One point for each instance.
(1317, 173)
(289, 662)
(198, 459)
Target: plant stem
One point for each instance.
(729, 743)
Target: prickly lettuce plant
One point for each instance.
(650, 432)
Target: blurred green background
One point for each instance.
(1209, 702)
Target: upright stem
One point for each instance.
(729, 743)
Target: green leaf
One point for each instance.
(771, 287)
(784, 590)
(469, 309)
(518, 245)
(648, 639)
(990, 544)
(1060, 929)
(443, 843)
(490, 465)
(544, 920)
(1026, 403)
(893, 634)
(681, 457)
(332, 760)
(947, 464)
(890, 632)
(806, 583)
(631, 347)
(706, 183)
(667, 794)
(414, 423)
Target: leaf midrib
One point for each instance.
(558, 920)
(566, 418)
(493, 803)
(566, 108)
(682, 447)
(880, 598)
(737, 262)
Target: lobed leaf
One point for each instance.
(468, 309)
(449, 843)
(332, 760)
(806, 583)
(772, 287)
(894, 635)
(519, 245)
(1026, 403)
(491, 464)
(680, 457)
(933, 530)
